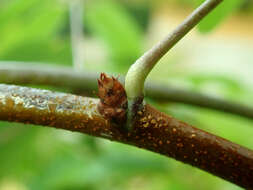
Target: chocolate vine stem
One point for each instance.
(153, 130)
(65, 77)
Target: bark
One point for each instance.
(38, 74)
(153, 130)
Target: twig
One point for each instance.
(153, 130)
(38, 74)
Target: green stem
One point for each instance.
(135, 78)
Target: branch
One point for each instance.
(153, 130)
(38, 74)
(139, 71)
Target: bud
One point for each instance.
(113, 99)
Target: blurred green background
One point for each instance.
(216, 59)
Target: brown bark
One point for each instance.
(39, 74)
(153, 130)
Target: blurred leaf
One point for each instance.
(112, 23)
(28, 31)
(55, 51)
(141, 11)
(65, 169)
(17, 150)
(227, 126)
(226, 86)
(218, 15)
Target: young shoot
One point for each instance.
(138, 72)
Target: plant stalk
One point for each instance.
(138, 72)
(153, 130)
(65, 77)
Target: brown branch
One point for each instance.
(38, 74)
(153, 131)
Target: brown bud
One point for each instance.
(113, 99)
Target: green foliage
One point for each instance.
(111, 22)
(30, 31)
(226, 86)
(226, 8)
